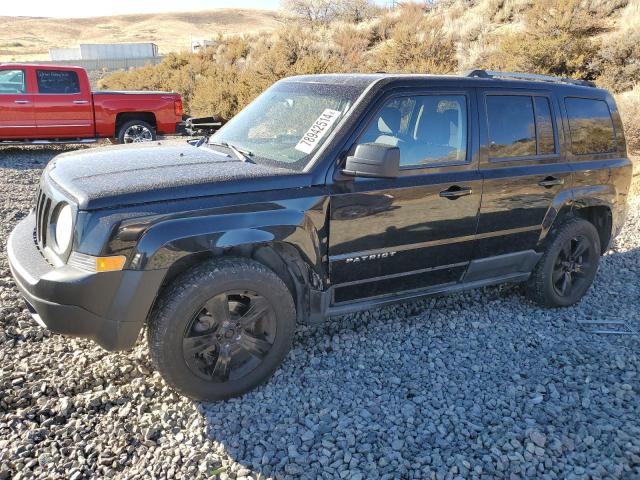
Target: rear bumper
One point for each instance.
(109, 308)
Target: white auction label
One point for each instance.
(318, 130)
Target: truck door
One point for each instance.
(17, 120)
(63, 105)
(414, 232)
(522, 167)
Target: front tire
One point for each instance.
(568, 266)
(221, 329)
(136, 131)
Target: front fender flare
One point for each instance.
(169, 241)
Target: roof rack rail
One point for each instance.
(527, 76)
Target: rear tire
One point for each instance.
(568, 266)
(221, 329)
(136, 131)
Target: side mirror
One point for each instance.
(374, 160)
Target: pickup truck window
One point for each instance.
(11, 82)
(57, 81)
(289, 122)
(590, 125)
(428, 129)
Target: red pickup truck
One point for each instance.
(55, 104)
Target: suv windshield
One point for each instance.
(287, 124)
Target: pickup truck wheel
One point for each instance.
(221, 329)
(568, 266)
(136, 131)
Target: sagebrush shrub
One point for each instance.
(588, 39)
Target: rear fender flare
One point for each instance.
(569, 200)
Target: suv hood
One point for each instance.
(132, 174)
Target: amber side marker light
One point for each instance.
(109, 264)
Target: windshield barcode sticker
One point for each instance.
(318, 130)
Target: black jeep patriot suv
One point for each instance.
(326, 195)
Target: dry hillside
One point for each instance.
(29, 38)
(595, 40)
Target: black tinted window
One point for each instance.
(428, 129)
(58, 81)
(512, 131)
(591, 126)
(544, 127)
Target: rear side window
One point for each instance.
(519, 126)
(11, 82)
(512, 129)
(590, 125)
(58, 81)
(544, 127)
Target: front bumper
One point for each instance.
(109, 308)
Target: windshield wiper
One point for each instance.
(240, 153)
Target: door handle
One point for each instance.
(455, 191)
(81, 102)
(549, 182)
(21, 102)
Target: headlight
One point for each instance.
(63, 229)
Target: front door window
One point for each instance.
(429, 130)
(12, 82)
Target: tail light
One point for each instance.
(177, 106)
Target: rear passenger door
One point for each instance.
(523, 171)
(63, 107)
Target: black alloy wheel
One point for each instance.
(573, 262)
(229, 336)
(568, 264)
(221, 328)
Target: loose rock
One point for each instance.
(481, 384)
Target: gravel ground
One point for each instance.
(477, 385)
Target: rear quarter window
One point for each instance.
(590, 125)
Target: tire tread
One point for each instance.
(163, 314)
(536, 285)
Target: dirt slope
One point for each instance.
(29, 38)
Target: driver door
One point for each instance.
(415, 232)
(17, 117)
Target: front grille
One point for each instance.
(43, 216)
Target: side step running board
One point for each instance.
(50, 142)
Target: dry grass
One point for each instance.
(29, 38)
(629, 105)
(629, 16)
